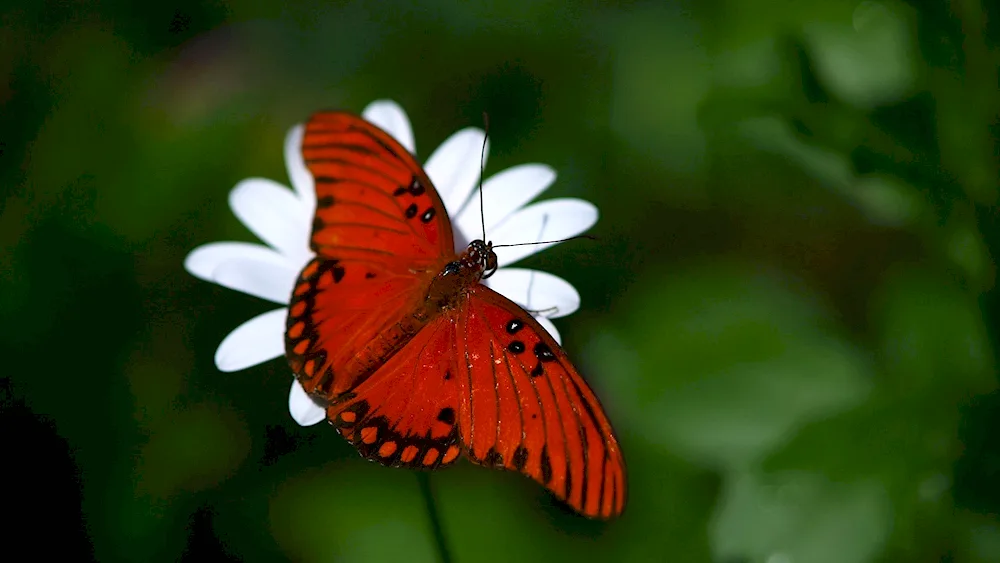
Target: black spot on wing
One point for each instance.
(544, 353)
(493, 458)
(325, 380)
(447, 415)
(546, 465)
(520, 458)
(416, 188)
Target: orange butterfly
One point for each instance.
(416, 360)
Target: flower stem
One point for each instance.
(424, 478)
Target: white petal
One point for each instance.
(503, 194)
(266, 280)
(304, 410)
(549, 220)
(256, 341)
(392, 119)
(274, 214)
(551, 296)
(202, 261)
(551, 328)
(454, 167)
(300, 176)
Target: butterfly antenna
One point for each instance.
(482, 170)
(588, 237)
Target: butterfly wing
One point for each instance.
(524, 407)
(380, 233)
(345, 317)
(372, 198)
(406, 414)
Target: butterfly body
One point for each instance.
(416, 361)
(458, 276)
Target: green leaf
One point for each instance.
(794, 516)
(868, 61)
(932, 336)
(885, 200)
(730, 362)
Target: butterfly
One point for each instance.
(415, 360)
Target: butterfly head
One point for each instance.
(480, 256)
(476, 263)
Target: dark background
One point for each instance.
(790, 314)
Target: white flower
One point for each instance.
(282, 218)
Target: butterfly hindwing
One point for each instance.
(524, 407)
(372, 198)
(406, 413)
(344, 318)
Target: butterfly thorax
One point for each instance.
(477, 262)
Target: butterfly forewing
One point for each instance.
(371, 195)
(380, 233)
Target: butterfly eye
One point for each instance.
(491, 264)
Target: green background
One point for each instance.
(789, 313)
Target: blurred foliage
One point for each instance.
(790, 314)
